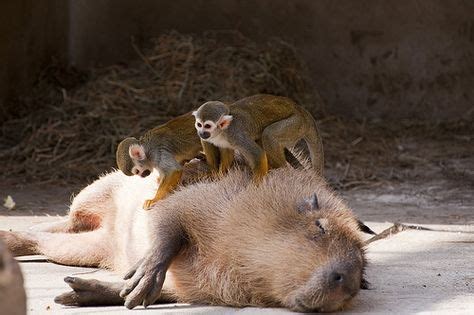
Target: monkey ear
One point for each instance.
(224, 121)
(195, 113)
(308, 204)
(137, 152)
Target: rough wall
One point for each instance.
(31, 32)
(368, 58)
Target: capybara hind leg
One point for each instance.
(93, 249)
(81, 249)
(91, 292)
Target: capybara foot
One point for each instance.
(90, 292)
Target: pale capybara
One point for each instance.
(12, 292)
(286, 242)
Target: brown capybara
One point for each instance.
(12, 293)
(287, 242)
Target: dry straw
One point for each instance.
(69, 129)
(72, 133)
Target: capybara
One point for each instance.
(287, 242)
(12, 292)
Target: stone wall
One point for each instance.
(369, 59)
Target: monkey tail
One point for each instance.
(315, 145)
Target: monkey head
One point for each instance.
(211, 119)
(132, 158)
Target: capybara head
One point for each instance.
(335, 258)
(308, 253)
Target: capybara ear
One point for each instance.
(137, 152)
(308, 204)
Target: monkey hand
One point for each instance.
(146, 280)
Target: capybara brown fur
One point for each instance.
(12, 292)
(287, 242)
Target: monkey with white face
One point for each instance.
(260, 127)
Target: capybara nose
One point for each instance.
(146, 173)
(204, 135)
(343, 278)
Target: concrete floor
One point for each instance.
(413, 271)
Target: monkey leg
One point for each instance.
(254, 155)
(226, 159)
(212, 155)
(81, 249)
(170, 175)
(280, 135)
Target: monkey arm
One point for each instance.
(212, 155)
(227, 158)
(170, 174)
(147, 277)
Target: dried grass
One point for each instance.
(71, 134)
(69, 129)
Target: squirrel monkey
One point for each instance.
(261, 128)
(164, 148)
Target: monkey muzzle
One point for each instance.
(145, 173)
(204, 134)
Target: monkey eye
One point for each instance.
(199, 125)
(207, 126)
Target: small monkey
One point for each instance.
(261, 128)
(164, 148)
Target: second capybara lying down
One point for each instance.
(287, 242)
(12, 292)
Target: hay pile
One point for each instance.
(69, 129)
(65, 133)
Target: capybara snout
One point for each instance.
(326, 255)
(329, 287)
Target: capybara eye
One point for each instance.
(319, 225)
